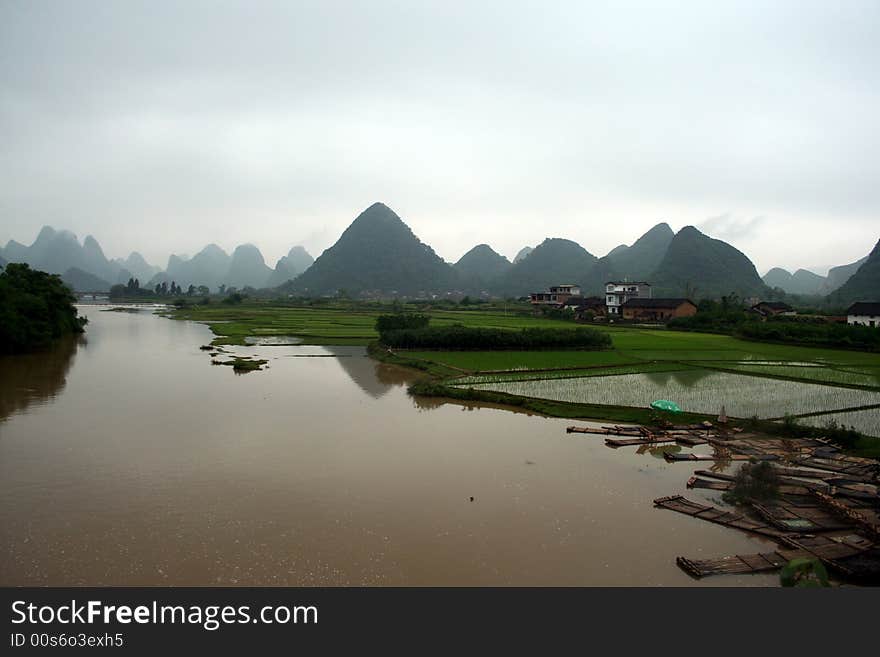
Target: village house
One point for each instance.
(657, 310)
(773, 308)
(866, 313)
(585, 308)
(557, 296)
(618, 293)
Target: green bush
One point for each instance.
(754, 481)
(400, 321)
(35, 309)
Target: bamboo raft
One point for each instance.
(833, 550)
(718, 516)
(609, 431)
(828, 503)
(789, 489)
(672, 458)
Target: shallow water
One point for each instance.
(127, 459)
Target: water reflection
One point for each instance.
(374, 378)
(35, 378)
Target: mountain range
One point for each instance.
(803, 281)
(379, 255)
(85, 268)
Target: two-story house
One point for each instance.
(557, 296)
(618, 293)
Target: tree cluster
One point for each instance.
(35, 309)
(463, 338)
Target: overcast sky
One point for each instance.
(162, 126)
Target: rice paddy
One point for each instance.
(865, 421)
(695, 391)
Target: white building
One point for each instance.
(866, 313)
(617, 294)
(557, 296)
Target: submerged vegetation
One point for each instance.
(36, 308)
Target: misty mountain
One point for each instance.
(480, 266)
(377, 252)
(801, 282)
(698, 266)
(15, 252)
(290, 266)
(637, 262)
(837, 276)
(247, 268)
(210, 267)
(523, 252)
(57, 251)
(864, 285)
(2, 261)
(83, 281)
(554, 261)
(137, 266)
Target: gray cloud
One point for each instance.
(727, 227)
(163, 126)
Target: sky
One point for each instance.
(163, 126)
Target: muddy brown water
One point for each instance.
(126, 458)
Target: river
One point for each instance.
(126, 458)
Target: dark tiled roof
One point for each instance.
(864, 308)
(656, 303)
(585, 301)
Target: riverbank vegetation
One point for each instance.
(36, 308)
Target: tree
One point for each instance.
(191, 290)
(35, 309)
(204, 290)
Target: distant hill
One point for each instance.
(864, 285)
(290, 266)
(83, 281)
(554, 261)
(801, 282)
(699, 266)
(481, 265)
(377, 253)
(15, 251)
(57, 251)
(636, 262)
(2, 261)
(778, 277)
(210, 267)
(837, 276)
(137, 266)
(247, 268)
(523, 252)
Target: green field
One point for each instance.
(333, 326)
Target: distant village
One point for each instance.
(634, 301)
